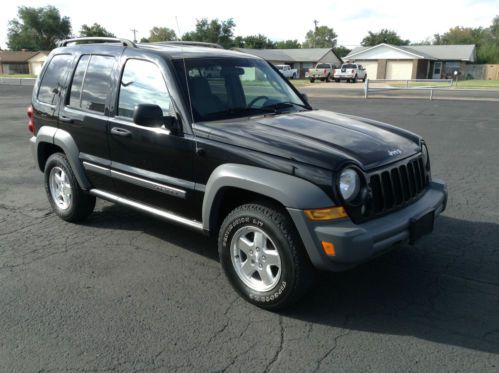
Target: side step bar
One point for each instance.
(148, 209)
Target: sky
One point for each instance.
(279, 20)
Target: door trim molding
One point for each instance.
(157, 187)
(148, 184)
(163, 214)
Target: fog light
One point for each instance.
(328, 213)
(328, 248)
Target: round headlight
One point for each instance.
(426, 156)
(349, 184)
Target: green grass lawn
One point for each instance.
(492, 84)
(299, 82)
(477, 84)
(16, 76)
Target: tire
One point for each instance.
(286, 269)
(294, 76)
(364, 79)
(67, 199)
(354, 80)
(312, 80)
(327, 79)
(337, 80)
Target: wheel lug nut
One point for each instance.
(251, 252)
(263, 258)
(260, 265)
(257, 249)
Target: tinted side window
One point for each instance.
(96, 84)
(142, 83)
(53, 78)
(75, 94)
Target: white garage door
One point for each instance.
(371, 68)
(399, 70)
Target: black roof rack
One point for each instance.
(188, 43)
(96, 39)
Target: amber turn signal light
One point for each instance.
(329, 213)
(328, 248)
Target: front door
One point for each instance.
(151, 165)
(437, 70)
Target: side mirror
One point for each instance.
(149, 115)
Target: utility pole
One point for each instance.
(315, 31)
(134, 34)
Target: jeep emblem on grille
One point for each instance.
(394, 152)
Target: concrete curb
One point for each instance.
(18, 81)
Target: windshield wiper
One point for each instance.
(283, 105)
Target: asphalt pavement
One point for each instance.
(126, 292)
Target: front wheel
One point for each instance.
(263, 257)
(312, 80)
(66, 197)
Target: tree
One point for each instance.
(37, 28)
(460, 35)
(288, 44)
(214, 31)
(322, 37)
(341, 51)
(486, 40)
(255, 41)
(95, 30)
(160, 34)
(384, 36)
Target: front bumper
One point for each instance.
(357, 243)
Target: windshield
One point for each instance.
(222, 88)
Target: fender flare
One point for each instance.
(290, 191)
(63, 139)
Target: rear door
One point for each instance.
(85, 114)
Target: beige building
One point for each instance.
(385, 61)
(300, 59)
(22, 62)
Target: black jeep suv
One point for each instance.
(218, 141)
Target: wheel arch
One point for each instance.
(50, 140)
(238, 184)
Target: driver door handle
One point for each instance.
(120, 132)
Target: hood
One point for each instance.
(321, 138)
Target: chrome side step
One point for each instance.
(148, 209)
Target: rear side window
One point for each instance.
(91, 83)
(142, 83)
(53, 78)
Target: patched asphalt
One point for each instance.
(126, 292)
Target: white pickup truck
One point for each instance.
(287, 71)
(350, 72)
(322, 71)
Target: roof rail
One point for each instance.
(188, 43)
(96, 39)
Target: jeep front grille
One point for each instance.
(398, 185)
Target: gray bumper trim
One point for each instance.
(354, 243)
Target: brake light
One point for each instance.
(353, 71)
(325, 71)
(31, 123)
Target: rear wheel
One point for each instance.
(312, 80)
(66, 197)
(263, 257)
(327, 78)
(354, 80)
